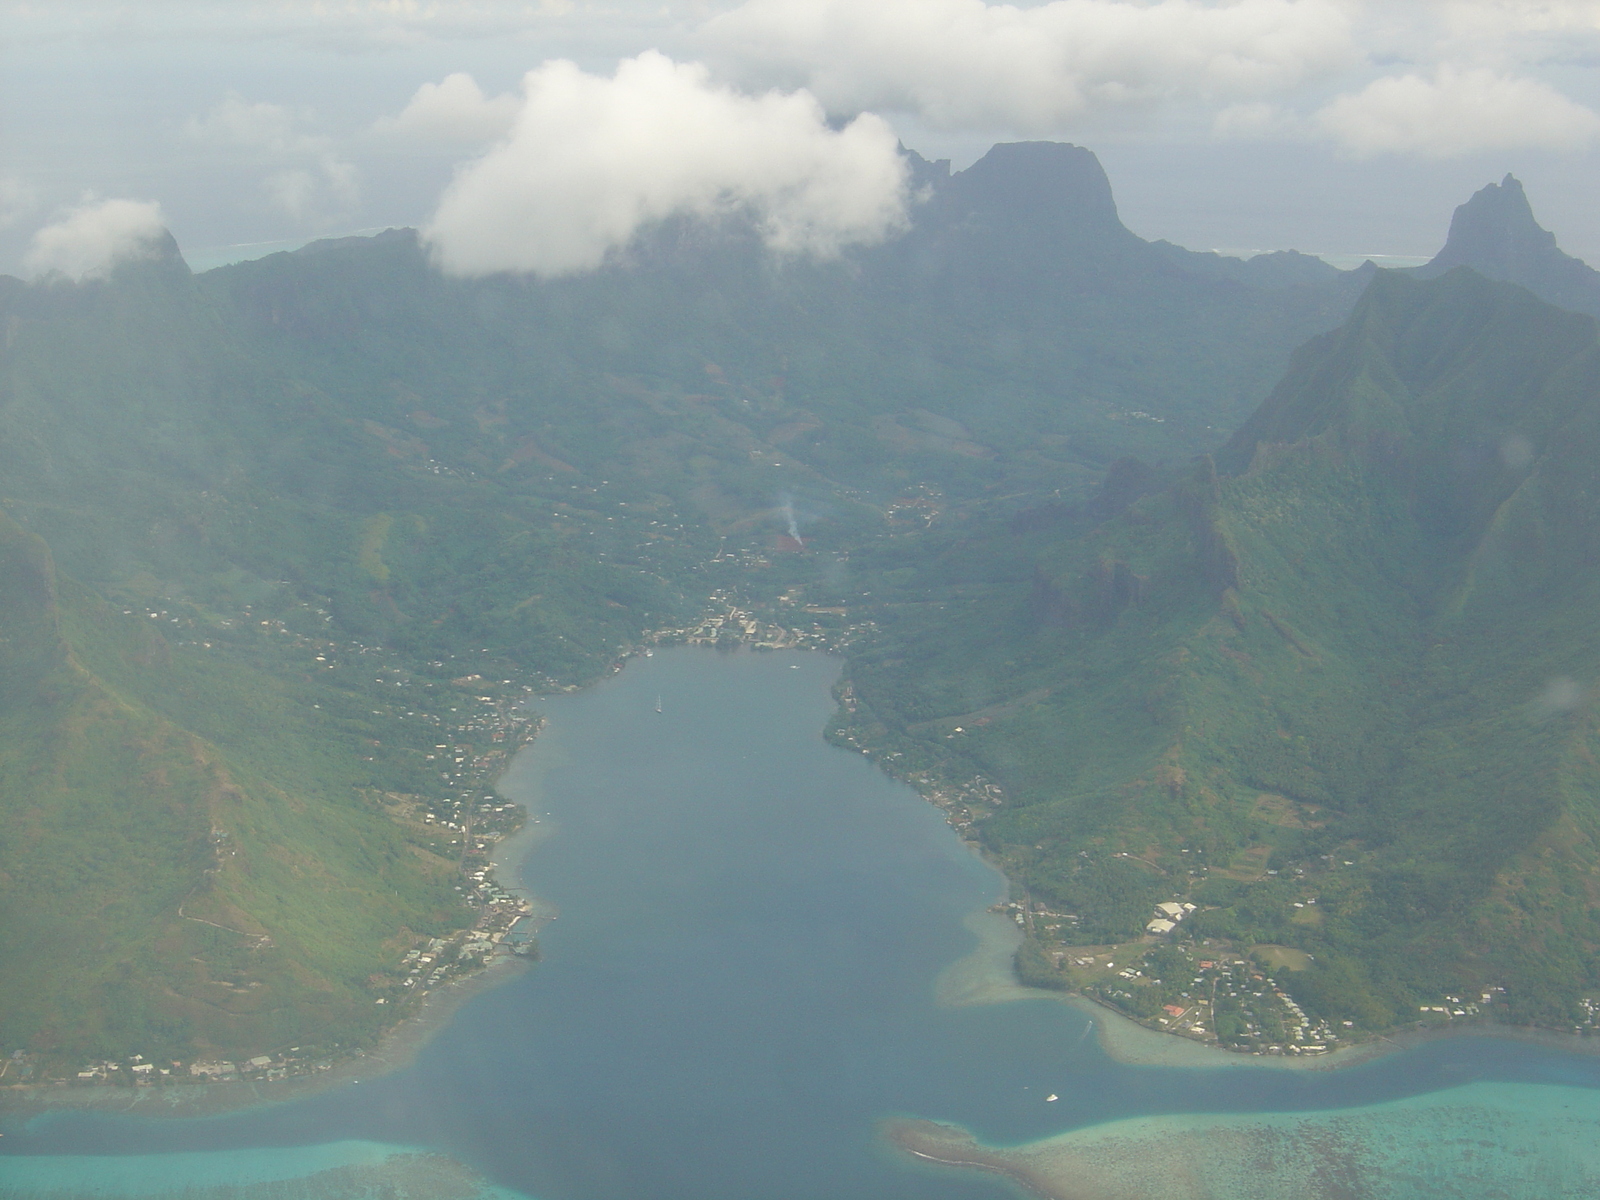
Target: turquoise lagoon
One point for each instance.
(744, 984)
(351, 1170)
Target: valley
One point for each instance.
(1253, 586)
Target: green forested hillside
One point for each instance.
(1017, 337)
(1334, 687)
(291, 536)
(158, 892)
(290, 501)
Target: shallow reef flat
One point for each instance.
(349, 1170)
(1126, 1041)
(1509, 1141)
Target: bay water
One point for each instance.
(741, 985)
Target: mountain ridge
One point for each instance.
(357, 497)
(1359, 639)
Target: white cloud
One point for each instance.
(17, 199)
(591, 161)
(237, 122)
(94, 237)
(1258, 120)
(1500, 18)
(454, 110)
(293, 191)
(965, 64)
(305, 172)
(1456, 111)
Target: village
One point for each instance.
(1213, 991)
(462, 819)
(1205, 990)
(724, 623)
(480, 722)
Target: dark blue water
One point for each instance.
(740, 984)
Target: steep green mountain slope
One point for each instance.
(1017, 338)
(160, 455)
(366, 506)
(215, 834)
(1349, 663)
(161, 894)
(335, 482)
(428, 455)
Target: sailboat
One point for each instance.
(658, 701)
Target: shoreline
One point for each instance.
(397, 1046)
(395, 1049)
(952, 1147)
(985, 976)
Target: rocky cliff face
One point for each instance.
(1495, 234)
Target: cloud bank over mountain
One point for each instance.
(91, 239)
(591, 160)
(352, 117)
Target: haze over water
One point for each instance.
(740, 986)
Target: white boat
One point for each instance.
(658, 702)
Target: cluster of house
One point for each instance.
(139, 1070)
(745, 628)
(1455, 1006)
(724, 621)
(217, 1069)
(1168, 914)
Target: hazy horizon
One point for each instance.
(1334, 127)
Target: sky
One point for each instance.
(541, 136)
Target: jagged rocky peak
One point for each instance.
(164, 255)
(1496, 234)
(1034, 184)
(925, 173)
(156, 258)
